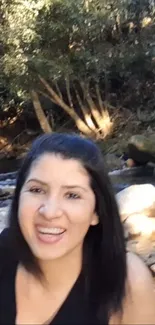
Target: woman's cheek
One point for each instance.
(26, 205)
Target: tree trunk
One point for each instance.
(101, 116)
(82, 127)
(45, 126)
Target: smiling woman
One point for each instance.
(63, 256)
(61, 206)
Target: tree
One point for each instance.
(68, 58)
(67, 50)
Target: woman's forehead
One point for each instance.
(51, 165)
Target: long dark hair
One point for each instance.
(104, 257)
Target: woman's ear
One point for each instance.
(95, 219)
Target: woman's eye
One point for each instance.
(72, 196)
(36, 190)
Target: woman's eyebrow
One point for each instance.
(36, 180)
(75, 187)
(70, 187)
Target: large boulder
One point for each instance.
(142, 149)
(137, 210)
(136, 199)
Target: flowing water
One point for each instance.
(131, 176)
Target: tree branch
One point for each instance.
(85, 111)
(68, 91)
(57, 88)
(47, 96)
(40, 113)
(82, 126)
(99, 97)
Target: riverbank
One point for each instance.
(17, 140)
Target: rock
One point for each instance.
(139, 171)
(137, 208)
(142, 149)
(5, 203)
(112, 161)
(152, 268)
(130, 163)
(3, 217)
(6, 190)
(151, 257)
(8, 176)
(151, 164)
(139, 224)
(144, 247)
(136, 199)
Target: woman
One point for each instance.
(63, 258)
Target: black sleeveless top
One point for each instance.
(74, 310)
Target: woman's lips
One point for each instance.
(50, 235)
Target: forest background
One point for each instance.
(86, 66)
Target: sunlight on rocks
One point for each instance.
(140, 224)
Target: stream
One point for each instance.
(131, 176)
(120, 178)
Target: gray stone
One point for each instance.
(6, 189)
(141, 148)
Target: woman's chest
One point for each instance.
(37, 307)
(16, 307)
(35, 304)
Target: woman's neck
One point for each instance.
(62, 270)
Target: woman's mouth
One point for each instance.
(50, 235)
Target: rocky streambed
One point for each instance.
(7, 186)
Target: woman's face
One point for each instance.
(56, 207)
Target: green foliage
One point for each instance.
(80, 39)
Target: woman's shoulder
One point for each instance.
(139, 303)
(138, 274)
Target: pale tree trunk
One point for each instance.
(99, 112)
(82, 127)
(86, 5)
(45, 126)
(93, 109)
(107, 124)
(96, 121)
(86, 113)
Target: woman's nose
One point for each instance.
(50, 209)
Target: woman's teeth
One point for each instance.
(51, 231)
